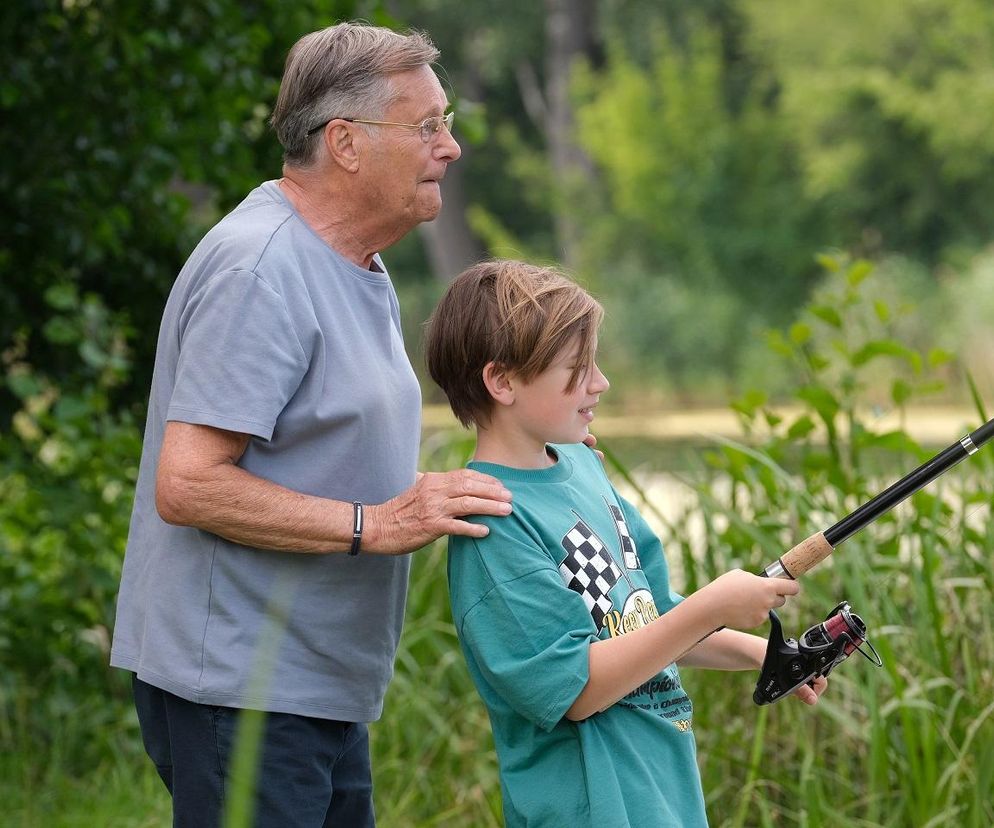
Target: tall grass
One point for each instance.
(433, 755)
(43, 783)
(909, 745)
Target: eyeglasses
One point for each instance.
(429, 127)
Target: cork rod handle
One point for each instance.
(806, 555)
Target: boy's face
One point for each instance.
(546, 411)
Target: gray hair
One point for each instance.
(341, 71)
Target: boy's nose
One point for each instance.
(598, 381)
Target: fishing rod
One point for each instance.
(813, 550)
(789, 662)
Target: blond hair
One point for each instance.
(517, 315)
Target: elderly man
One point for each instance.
(278, 490)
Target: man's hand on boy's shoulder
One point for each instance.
(434, 506)
(591, 442)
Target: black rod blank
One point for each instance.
(812, 550)
(908, 485)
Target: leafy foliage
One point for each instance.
(699, 196)
(907, 745)
(128, 125)
(67, 475)
(891, 105)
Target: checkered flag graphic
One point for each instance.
(628, 549)
(589, 570)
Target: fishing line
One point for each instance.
(790, 663)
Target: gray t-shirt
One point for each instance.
(270, 332)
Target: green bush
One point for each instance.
(913, 743)
(67, 474)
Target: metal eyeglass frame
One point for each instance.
(429, 127)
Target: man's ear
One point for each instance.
(499, 383)
(342, 148)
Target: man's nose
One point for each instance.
(446, 147)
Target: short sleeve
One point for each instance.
(652, 556)
(528, 633)
(240, 359)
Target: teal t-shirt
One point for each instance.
(574, 562)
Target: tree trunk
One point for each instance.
(570, 32)
(450, 244)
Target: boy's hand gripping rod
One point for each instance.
(819, 546)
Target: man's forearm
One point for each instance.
(200, 484)
(252, 511)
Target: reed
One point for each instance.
(911, 744)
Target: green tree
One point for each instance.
(127, 126)
(699, 195)
(892, 104)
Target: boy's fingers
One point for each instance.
(810, 693)
(785, 587)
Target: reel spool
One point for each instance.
(789, 663)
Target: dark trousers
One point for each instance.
(314, 773)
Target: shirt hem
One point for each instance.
(209, 418)
(244, 701)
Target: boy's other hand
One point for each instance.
(810, 694)
(591, 442)
(743, 600)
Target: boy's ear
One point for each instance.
(497, 379)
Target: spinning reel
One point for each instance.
(789, 663)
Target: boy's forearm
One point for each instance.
(618, 665)
(736, 599)
(727, 650)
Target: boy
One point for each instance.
(564, 611)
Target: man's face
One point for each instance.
(403, 172)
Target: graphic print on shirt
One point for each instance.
(628, 550)
(590, 570)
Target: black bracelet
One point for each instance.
(356, 527)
